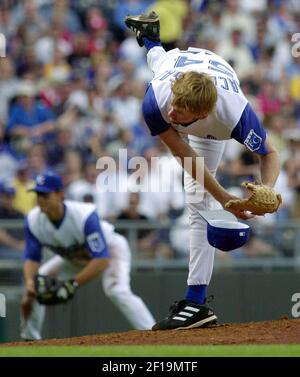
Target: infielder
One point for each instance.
(194, 103)
(85, 247)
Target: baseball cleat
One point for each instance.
(144, 25)
(187, 315)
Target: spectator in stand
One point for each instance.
(27, 63)
(132, 212)
(36, 159)
(62, 9)
(8, 86)
(293, 170)
(268, 99)
(8, 163)
(234, 18)
(124, 8)
(237, 53)
(172, 15)
(73, 165)
(10, 240)
(148, 243)
(29, 121)
(123, 102)
(57, 69)
(24, 201)
(97, 29)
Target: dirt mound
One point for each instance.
(268, 332)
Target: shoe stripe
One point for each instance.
(187, 314)
(192, 309)
(199, 324)
(180, 318)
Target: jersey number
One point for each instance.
(214, 65)
(219, 67)
(182, 61)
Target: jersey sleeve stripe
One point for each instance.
(33, 247)
(250, 132)
(152, 114)
(95, 239)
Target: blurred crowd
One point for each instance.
(71, 87)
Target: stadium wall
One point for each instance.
(239, 296)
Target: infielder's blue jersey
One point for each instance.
(233, 116)
(80, 235)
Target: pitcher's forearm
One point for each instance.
(269, 164)
(270, 168)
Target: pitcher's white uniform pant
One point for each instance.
(201, 253)
(116, 286)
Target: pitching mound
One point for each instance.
(269, 332)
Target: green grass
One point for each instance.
(155, 351)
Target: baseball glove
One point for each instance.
(51, 291)
(262, 200)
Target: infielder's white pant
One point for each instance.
(116, 286)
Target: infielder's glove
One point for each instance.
(262, 200)
(51, 291)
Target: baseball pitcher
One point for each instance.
(194, 103)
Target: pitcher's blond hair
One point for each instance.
(195, 92)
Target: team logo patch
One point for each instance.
(253, 141)
(95, 242)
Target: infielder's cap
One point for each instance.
(48, 182)
(227, 235)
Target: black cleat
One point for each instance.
(187, 315)
(144, 25)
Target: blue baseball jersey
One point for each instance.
(79, 236)
(233, 116)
